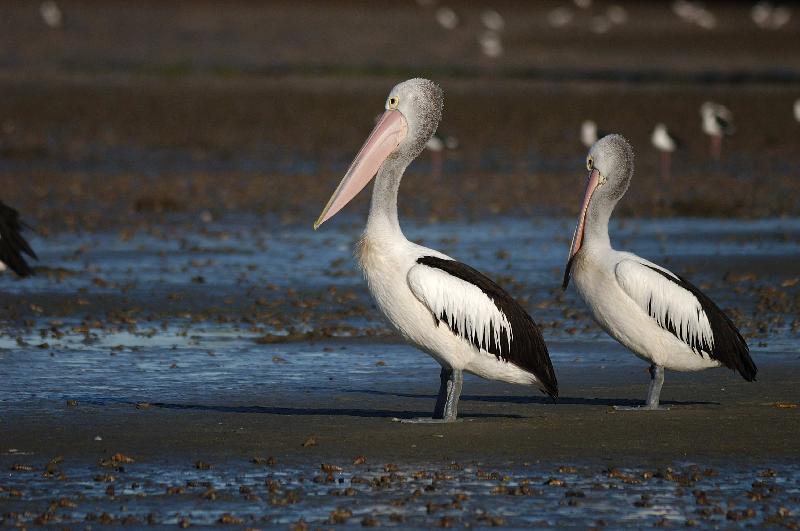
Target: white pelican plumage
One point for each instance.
(13, 246)
(445, 308)
(658, 315)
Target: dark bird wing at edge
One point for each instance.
(528, 349)
(12, 244)
(729, 348)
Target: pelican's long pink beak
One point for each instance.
(390, 130)
(577, 238)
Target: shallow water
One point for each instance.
(286, 299)
(114, 320)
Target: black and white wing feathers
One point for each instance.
(686, 312)
(12, 244)
(478, 310)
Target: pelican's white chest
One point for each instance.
(612, 309)
(622, 318)
(385, 263)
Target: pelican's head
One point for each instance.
(610, 166)
(411, 115)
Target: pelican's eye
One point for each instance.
(589, 164)
(392, 102)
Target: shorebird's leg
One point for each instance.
(437, 163)
(716, 147)
(666, 163)
(446, 409)
(653, 392)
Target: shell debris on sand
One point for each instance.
(449, 493)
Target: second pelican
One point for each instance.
(661, 317)
(445, 308)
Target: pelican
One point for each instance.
(658, 315)
(445, 308)
(666, 144)
(13, 246)
(717, 121)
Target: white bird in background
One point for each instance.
(717, 121)
(589, 133)
(447, 18)
(694, 13)
(583, 4)
(492, 20)
(437, 146)
(51, 14)
(666, 144)
(491, 44)
(617, 15)
(658, 315)
(13, 246)
(452, 312)
(797, 110)
(560, 17)
(767, 16)
(706, 20)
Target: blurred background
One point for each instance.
(170, 158)
(120, 112)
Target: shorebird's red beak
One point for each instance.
(390, 130)
(592, 183)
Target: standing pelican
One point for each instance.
(445, 308)
(13, 246)
(658, 315)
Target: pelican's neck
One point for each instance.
(595, 233)
(383, 208)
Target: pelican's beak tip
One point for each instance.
(317, 224)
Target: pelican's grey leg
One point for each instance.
(446, 409)
(452, 387)
(441, 400)
(653, 392)
(656, 382)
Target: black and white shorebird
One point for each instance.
(661, 317)
(13, 246)
(590, 133)
(447, 309)
(438, 145)
(666, 144)
(717, 121)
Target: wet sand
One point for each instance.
(715, 417)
